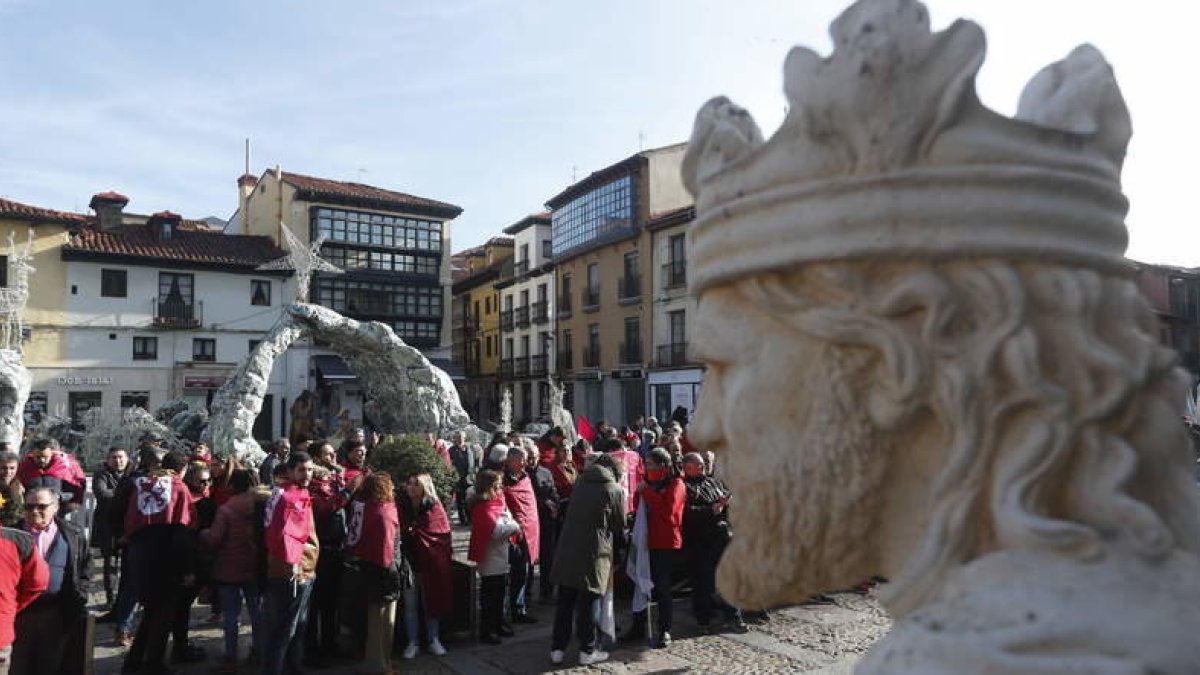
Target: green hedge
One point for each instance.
(404, 456)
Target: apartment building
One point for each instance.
(476, 327)
(674, 377)
(394, 248)
(527, 320)
(602, 257)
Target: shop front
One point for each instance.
(672, 389)
(72, 392)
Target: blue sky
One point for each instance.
(493, 104)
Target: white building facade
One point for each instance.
(674, 378)
(160, 311)
(527, 311)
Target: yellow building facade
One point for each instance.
(45, 310)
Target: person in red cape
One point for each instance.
(441, 448)
(492, 527)
(371, 538)
(47, 465)
(290, 538)
(565, 474)
(222, 472)
(427, 547)
(23, 578)
(330, 495)
(161, 556)
(355, 463)
(632, 476)
(580, 454)
(665, 495)
(548, 446)
(523, 504)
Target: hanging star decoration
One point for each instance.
(305, 260)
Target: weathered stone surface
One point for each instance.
(929, 303)
(15, 382)
(405, 392)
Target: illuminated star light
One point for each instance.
(305, 260)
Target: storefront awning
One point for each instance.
(333, 368)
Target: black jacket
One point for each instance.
(104, 486)
(546, 493)
(73, 596)
(701, 527)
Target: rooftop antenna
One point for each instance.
(361, 173)
(574, 169)
(641, 141)
(247, 156)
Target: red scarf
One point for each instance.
(288, 522)
(158, 499)
(62, 466)
(372, 532)
(484, 516)
(428, 539)
(522, 502)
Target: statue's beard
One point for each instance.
(805, 506)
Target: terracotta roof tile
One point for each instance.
(19, 211)
(324, 188)
(187, 245)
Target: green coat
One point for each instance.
(595, 522)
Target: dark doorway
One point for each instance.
(264, 423)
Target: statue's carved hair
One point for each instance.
(1057, 407)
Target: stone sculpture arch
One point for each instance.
(406, 392)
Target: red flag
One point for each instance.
(584, 428)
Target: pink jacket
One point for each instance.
(233, 539)
(632, 476)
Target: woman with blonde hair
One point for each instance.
(372, 542)
(425, 532)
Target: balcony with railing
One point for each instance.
(521, 367)
(521, 316)
(591, 357)
(675, 274)
(631, 353)
(541, 312)
(564, 306)
(506, 320)
(629, 288)
(673, 355)
(177, 314)
(519, 269)
(537, 365)
(470, 325)
(591, 299)
(566, 361)
(506, 369)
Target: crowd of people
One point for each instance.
(331, 561)
(634, 507)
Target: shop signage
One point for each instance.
(627, 374)
(203, 382)
(589, 376)
(84, 381)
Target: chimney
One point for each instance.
(108, 207)
(164, 224)
(246, 184)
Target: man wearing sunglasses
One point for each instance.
(50, 629)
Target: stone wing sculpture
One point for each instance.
(406, 393)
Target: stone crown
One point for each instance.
(886, 151)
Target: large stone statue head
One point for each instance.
(926, 355)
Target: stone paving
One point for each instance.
(817, 638)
